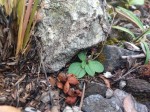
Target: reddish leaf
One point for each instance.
(144, 70)
(106, 81)
(72, 79)
(52, 81)
(66, 87)
(73, 92)
(78, 92)
(62, 77)
(60, 85)
(71, 100)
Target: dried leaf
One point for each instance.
(128, 104)
(107, 82)
(72, 79)
(144, 70)
(78, 92)
(71, 92)
(66, 87)
(52, 81)
(71, 100)
(60, 85)
(62, 77)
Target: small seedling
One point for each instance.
(86, 65)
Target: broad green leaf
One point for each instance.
(74, 68)
(28, 30)
(96, 66)
(147, 52)
(89, 70)
(136, 2)
(81, 73)
(124, 29)
(83, 64)
(82, 56)
(129, 15)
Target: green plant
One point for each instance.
(86, 65)
(146, 50)
(140, 39)
(24, 13)
(127, 3)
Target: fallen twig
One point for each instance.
(82, 97)
(134, 56)
(131, 70)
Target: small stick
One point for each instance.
(82, 97)
(134, 56)
(131, 70)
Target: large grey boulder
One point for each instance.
(67, 27)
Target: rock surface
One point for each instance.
(111, 57)
(95, 88)
(97, 103)
(69, 26)
(119, 97)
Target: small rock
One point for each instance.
(97, 103)
(76, 109)
(109, 93)
(111, 57)
(138, 86)
(95, 88)
(108, 75)
(2, 99)
(68, 109)
(73, 109)
(31, 109)
(122, 84)
(45, 97)
(119, 96)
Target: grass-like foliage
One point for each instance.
(24, 12)
(136, 21)
(79, 69)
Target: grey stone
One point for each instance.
(118, 99)
(31, 109)
(3, 99)
(112, 57)
(95, 88)
(138, 86)
(97, 103)
(69, 26)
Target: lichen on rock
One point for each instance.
(69, 26)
